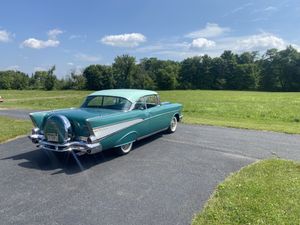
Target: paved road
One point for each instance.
(16, 113)
(165, 180)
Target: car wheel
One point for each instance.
(173, 125)
(124, 149)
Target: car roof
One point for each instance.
(131, 94)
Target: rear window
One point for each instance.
(107, 102)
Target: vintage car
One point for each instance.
(107, 119)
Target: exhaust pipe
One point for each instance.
(93, 150)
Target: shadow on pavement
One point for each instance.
(69, 163)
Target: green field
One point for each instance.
(11, 128)
(253, 110)
(266, 192)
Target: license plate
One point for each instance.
(52, 137)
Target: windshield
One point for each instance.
(107, 102)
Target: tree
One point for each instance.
(74, 81)
(205, 78)
(98, 77)
(167, 77)
(245, 77)
(218, 73)
(125, 71)
(50, 79)
(13, 80)
(269, 80)
(288, 66)
(189, 73)
(247, 57)
(150, 68)
(230, 65)
(38, 79)
(21, 80)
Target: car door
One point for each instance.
(140, 110)
(156, 115)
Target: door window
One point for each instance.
(152, 101)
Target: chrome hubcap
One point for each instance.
(173, 124)
(126, 148)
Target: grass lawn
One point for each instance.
(254, 110)
(42, 99)
(266, 192)
(11, 128)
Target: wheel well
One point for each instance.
(177, 116)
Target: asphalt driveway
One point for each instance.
(166, 179)
(16, 113)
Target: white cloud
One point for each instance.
(124, 40)
(5, 36)
(87, 58)
(70, 64)
(267, 11)
(39, 68)
(202, 43)
(241, 7)
(211, 30)
(38, 44)
(52, 34)
(296, 47)
(261, 42)
(14, 67)
(179, 50)
(161, 46)
(270, 9)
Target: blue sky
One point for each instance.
(73, 34)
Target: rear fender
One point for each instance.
(37, 118)
(128, 138)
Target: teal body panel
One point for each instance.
(154, 120)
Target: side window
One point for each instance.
(95, 102)
(152, 101)
(140, 104)
(108, 101)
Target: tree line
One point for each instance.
(275, 70)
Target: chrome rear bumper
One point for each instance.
(80, 146)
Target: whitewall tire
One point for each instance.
(125, 149)
(173, 125)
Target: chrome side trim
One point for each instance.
(112, 129)
(104, 131)
(173, 111)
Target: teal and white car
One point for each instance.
(107, 119)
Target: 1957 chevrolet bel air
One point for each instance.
(107, 119)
